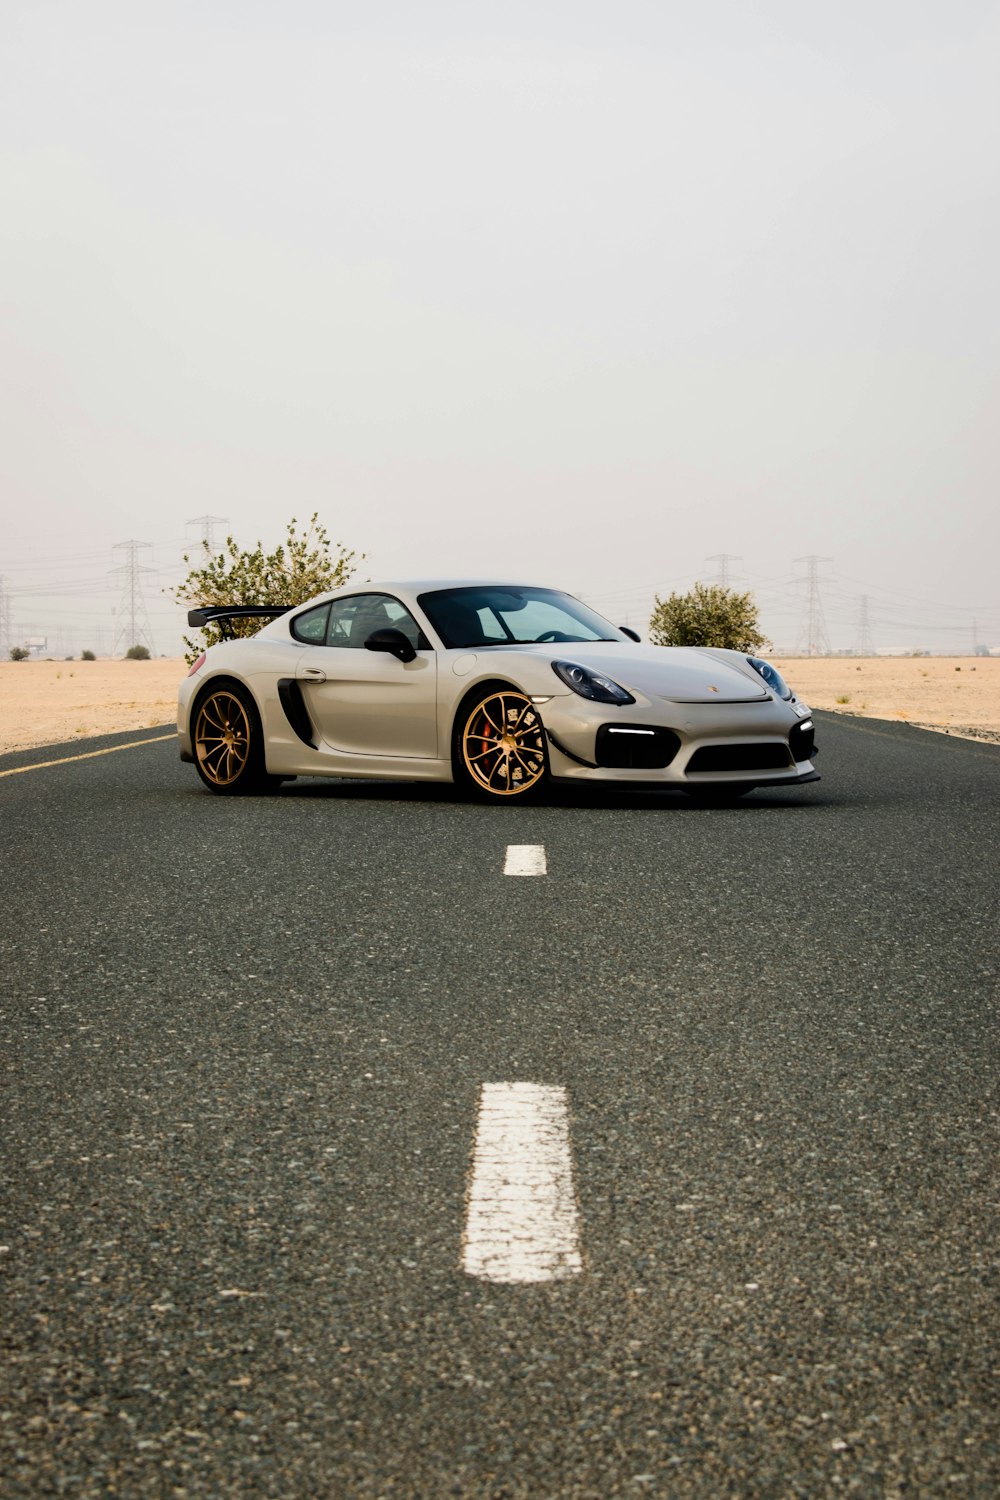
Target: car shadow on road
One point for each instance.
(567, 796)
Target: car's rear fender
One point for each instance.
(280, 740)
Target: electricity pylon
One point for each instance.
(724, 559)
(208, 525)
(817, 642)
(5, 640)
(131, 621)
(865, 646)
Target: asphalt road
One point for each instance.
(243, 1049)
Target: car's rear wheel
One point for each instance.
(229, 744)
(499, 749)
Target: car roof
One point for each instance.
(432, 585)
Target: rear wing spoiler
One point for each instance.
(221, 614)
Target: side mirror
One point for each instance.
(391, 640)
(633, 635)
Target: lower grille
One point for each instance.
(636, 747)
(740, 758)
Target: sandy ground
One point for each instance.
(959, 694)
(48, 702)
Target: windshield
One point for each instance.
(488, 615)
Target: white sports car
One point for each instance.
(497, 687)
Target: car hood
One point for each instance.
(683, 674)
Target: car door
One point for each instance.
(368, 702)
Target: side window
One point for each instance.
(342, 612)
(311, 626)
(352, 621)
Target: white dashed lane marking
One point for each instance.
(521, 1222)
(525, 859)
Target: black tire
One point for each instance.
(498, 747)
(228, 742)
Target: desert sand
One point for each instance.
(50, 702)
(957, 694)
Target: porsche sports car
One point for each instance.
(498, 687)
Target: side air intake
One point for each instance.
(292, 701)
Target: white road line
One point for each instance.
(521, 1221)
(525, 859)
(65, 760)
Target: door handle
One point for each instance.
(314, 674)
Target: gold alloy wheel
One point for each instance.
(503, 744)
(222, 738)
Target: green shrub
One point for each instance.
(137, 653)
(87, 656)
(709, 615)
(306, 564)
(19, 653)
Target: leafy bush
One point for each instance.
(709, 615)
(87, 656)
(19, 653)
(137, 653)
(305, 564)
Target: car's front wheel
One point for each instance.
(229, 743)
(499, 749)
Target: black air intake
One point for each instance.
(802, 741)
(292, 701)
(635, 747)
(758, 757)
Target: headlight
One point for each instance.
(771, 676)
(592, 685)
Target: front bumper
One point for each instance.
(679, 744)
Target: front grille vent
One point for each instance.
(802, 741)
(757, 757)
(635, 747)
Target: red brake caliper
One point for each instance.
(488, 735)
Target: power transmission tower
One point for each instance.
(724, 559)
(132, 621)
(865, 646)
(817, 642)
(208, 525)
(5, 640)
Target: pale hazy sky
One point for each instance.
(584, 293)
